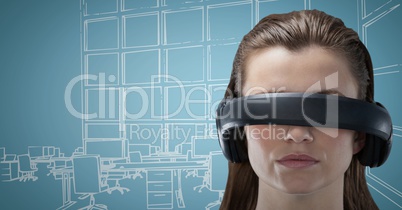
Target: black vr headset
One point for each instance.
(302, 109)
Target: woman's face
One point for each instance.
(296, 159)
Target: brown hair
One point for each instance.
(295, 31)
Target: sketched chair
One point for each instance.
(25, 168)
(135, 157)
(116, 176)
(205, 182)
(87, 179)
(196, 172)
(117, 186)
(218, 168)
(193, 173)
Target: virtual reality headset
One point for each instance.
(305, 109)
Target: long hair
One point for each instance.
(295, 31)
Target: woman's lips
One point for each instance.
(297, 161)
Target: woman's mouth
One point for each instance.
(297, 161)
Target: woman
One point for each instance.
(291, 53)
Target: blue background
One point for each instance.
(45, 44)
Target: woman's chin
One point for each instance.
(303, 189)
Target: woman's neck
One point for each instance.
(328, 198)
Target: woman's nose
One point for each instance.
(299, 134)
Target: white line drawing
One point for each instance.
(160, 168)
(62, 169)
(383, 12)
(26, 168)
(228, 49)
(179, 2)
(110, 151)
(87, 179)
(364, 8)
(95, 131)
(386, 67)
(149, 100)
(234, 32)
(386, 190)
(2, 153)
(97, 165)
(107, 149)
(141, 30)
(180, 134)
(375, 182)
(217, 163)
(177, 68)
(187, 26)
(97, 60)
(152, 68)
(149, 134)
(184, 104)
(105, 105)
(397, 131)
(113, 21)
(384, 184)
(160, 189)
(202, 146)
(128, 5)
(384, 195)
(391, 69)
(390, 72)
(9, 167)
(296, 5)
(90, 7)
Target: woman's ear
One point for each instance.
(359, 141)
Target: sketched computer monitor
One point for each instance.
(45, 151)
(107, 149)
(144, 149)
(35, 151)
(203, 145)
(57, 152)
(50, 151)
(59, 164)
(10, 158)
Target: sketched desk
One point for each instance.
(37, 160)
(160, 180)
(9, 170)
(160, 165)
(65, 174)
(162, 158)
